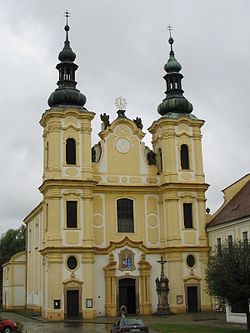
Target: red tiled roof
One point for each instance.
(237, 208)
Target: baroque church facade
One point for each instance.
(111, 211)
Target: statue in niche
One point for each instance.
(151, 156)
(105, 119)
(138, 122)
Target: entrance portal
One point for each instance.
(192, 298)
(127, 295)
(72, 304)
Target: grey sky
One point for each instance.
(121, 49)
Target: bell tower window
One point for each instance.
(71, 210)
(70, 151)
(188, 215)
(184, 157)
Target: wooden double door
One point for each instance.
(127, 294)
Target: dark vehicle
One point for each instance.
(7, 326)
(132, 325)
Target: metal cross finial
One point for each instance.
(162, 262)
(170, 28)
(66, 14)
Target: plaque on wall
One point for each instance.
(179, 299)
(126, 260)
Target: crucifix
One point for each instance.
(162, 290)
(162, 262)
(66, 14)
(170, 28)
(66, 28)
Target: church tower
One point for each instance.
(67, 190)
(176, 139)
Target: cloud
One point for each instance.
(121, 49)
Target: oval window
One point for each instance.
(72, 262)
(190, 261)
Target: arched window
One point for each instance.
(125, 215)
(184, 157)
(70, 151)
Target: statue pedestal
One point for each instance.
(162, 291)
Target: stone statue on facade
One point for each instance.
(105, 120)
(138, 122)
(151, 156)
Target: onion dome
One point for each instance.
(66, 93)
(174, 102)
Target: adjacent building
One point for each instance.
(111, 210)
(230, 223)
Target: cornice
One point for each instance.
(60, 113)
(67, 183)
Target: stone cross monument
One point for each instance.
(162, 291)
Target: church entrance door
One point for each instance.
(127, 295)
(72, 304)
(192, 298)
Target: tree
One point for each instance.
(228, 274)
(11, 242)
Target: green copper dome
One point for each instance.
(172, 65)
(174, 101)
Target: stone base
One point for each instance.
(110, 311)
(14, 307)
(89, 314)
(162, 313)
(55, 315)
(178, 309)
(145, 309)
(162, 310)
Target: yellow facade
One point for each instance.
(96, 243)
(14, 282)
(111, 211)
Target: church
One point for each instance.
(112, 213)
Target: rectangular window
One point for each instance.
(36, 236)
(125, 215)
(71, 214)
(29, 241)
(188, 215)
(245, 236)
(230, 239)
(218, 243)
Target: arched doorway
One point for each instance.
(72, 298)
(192, 293)
(127, 294)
